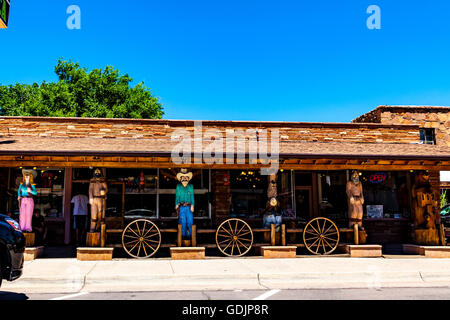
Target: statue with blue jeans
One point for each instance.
(184, 203)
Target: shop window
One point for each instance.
(332, 194)
(386, 194)
(84, 174)
(248, 193)
(427, 136)
(285, 193)
(303, 179)
(139, 187)
(50, 191)
(248, 190)
(166, 191)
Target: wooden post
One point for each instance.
(103, 235)
(283, 234)
(29, 239)
(272, 234)
(194, 235)
(179, 236)
(66, 206)
(442, 234)
(356, 233)
(93, 239)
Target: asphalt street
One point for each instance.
(436, 293)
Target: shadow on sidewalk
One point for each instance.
(4, 295)
(59, 252)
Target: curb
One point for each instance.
(230, 282)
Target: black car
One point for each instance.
(12, 247)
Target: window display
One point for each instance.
(332, 194)
(49, 184)
(151, 192)
(249, 193)
(387, 189)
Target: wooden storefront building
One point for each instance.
(315, 160)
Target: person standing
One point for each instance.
(26, 192)
(80, 213)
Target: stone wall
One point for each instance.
(148, 129)
(425, 117)
(440, 121)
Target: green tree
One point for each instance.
(102, 93)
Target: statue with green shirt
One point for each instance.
(184, 203)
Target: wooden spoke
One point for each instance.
(126, 243)
(237, 246)
(133, 237)
(141, 236)
(317, 232)
(137, 227)
(148, 245)
(130, 229)
(226, 240)
(232, 242)
(243, 234)
(239, 232)
(243, 245)
(322, 240)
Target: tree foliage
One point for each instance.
(101, 93)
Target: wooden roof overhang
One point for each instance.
(293, 162)
(156, 153)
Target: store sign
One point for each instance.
(4, 13)
(378, 177)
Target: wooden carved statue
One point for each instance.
(26, 192)
(184, 203)
(355, 199)
(425, 205)
(271, 215)
(97, 200)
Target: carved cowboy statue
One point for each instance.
(97, 199)
(425, 206)
(355, 200)
(184, 203)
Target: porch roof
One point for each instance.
(26, 145)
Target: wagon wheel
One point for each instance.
(141, 238)
(321, 236)
(234, 237)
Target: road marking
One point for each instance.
(71, 296)
(267, 294)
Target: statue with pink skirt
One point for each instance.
(26, 192)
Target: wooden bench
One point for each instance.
(187, 253)
(278, 251)
(427, 251)
(364, 250)
(94, 253)
(32, 253)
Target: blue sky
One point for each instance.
(245, 59)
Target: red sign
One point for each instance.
(226, 179)
(378, 177)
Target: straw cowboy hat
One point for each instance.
(184, 173)
(29, 171)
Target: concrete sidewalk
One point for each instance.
(71, 275)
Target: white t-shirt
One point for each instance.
(80, 202)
